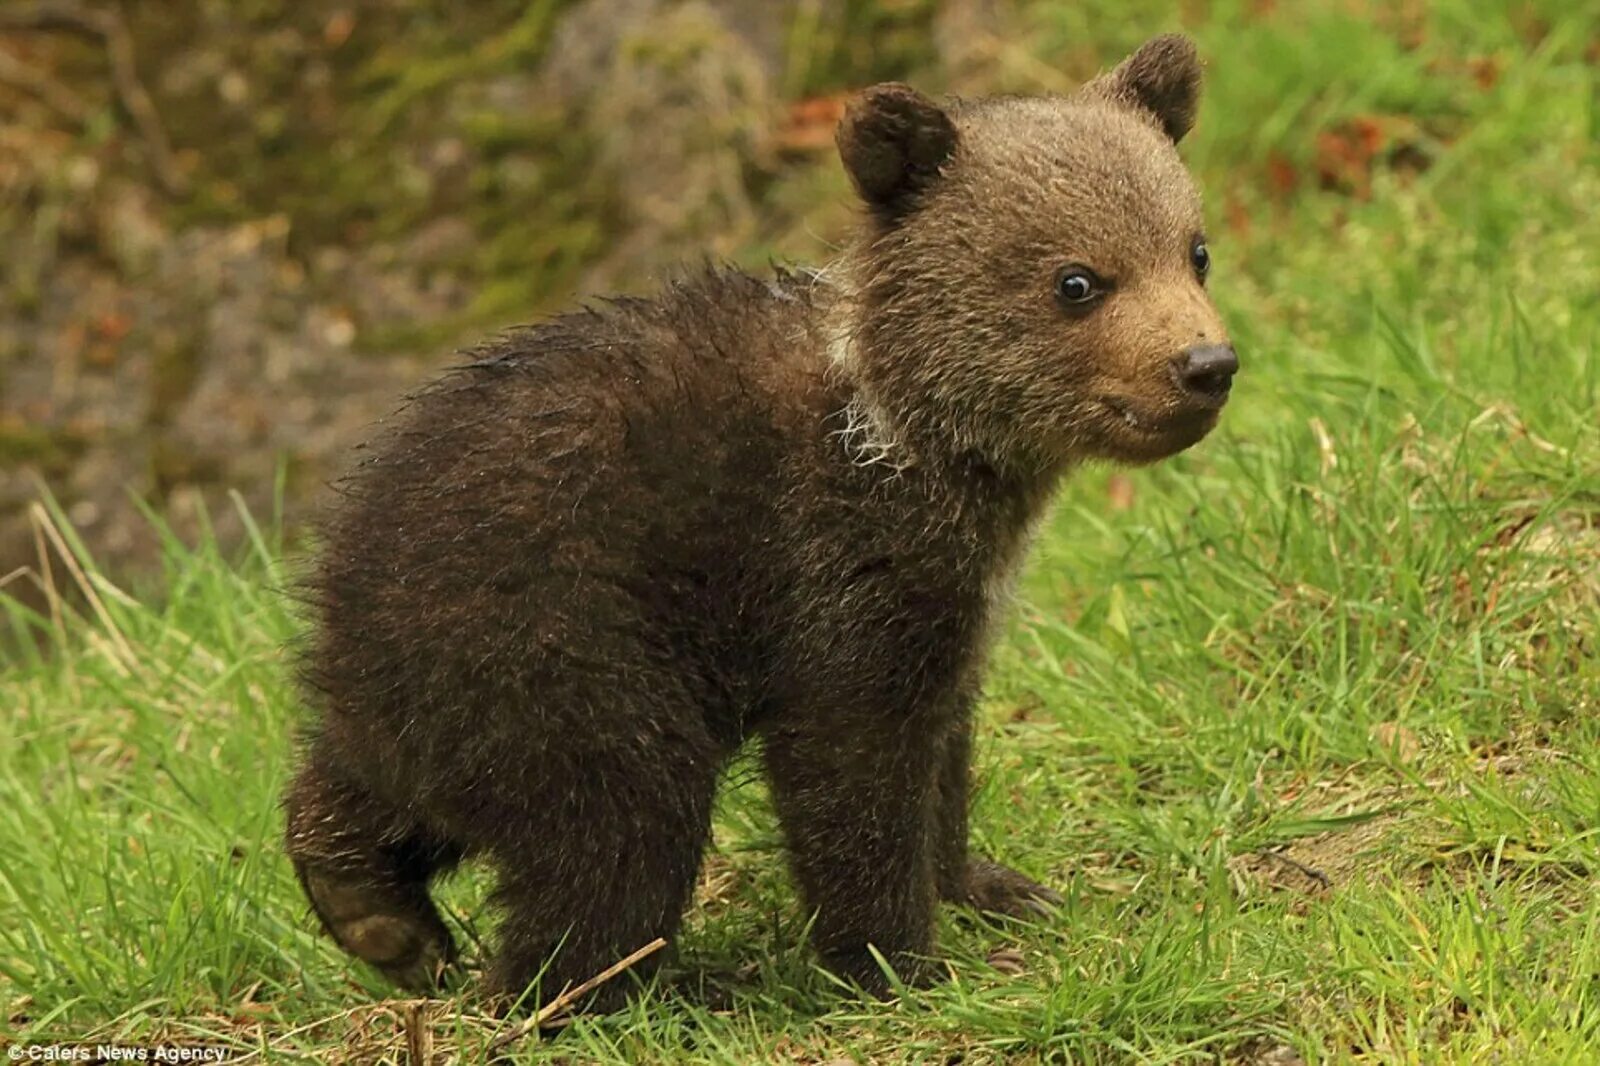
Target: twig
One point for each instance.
(1311, 873)
(47, 584)
(571, 995)
(413, 1015)
(35, 82)
(109, 26)
(299, 1030)
(419, 1035)
(122, 654)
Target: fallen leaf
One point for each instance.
(1396, 739)
(338, 28)
(1345, 154)
(1350, 152)
(1119, 492)
(113, 325)
(1282, 177)
(1485, 71)
(1007, 961)
(809, 124)
(1237, 214)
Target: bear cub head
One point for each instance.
(1031, 286)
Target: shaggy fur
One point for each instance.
(580, 572)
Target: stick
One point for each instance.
(1310, 872)
(419, 1035)
(298, 1030)
(123, 656)
(570, 995)
(108, 25)
(32, 80)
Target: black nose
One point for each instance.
(1206, 371)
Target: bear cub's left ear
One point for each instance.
(1162, 79)
(894, 141)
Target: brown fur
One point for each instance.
(581, 571)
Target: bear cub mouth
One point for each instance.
(1141, 435)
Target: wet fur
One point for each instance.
(581, 571)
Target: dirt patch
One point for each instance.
(1368, 852)
(1411, 837)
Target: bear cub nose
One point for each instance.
(1206, 371)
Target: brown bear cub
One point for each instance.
(578, 573)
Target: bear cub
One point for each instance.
(575, 575)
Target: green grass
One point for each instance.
(1356, 632)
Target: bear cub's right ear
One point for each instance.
(893, 140)
(1161, 79)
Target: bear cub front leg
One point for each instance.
(982, 885)
(877, 829)
(857, 800)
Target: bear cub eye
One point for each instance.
(1200, 256)
(1078, 288)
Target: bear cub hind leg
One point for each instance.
(366, 871)
(610, 868)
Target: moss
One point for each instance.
(413, 79)
(336, 148)
(51, 448)
(540, 217)
(839, 46)
(174, 369)
(336, 122)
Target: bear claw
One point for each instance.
(996, 889)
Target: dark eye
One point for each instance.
(1078, 287)
(1200, 256)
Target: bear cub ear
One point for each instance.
(1161, 78)
(893, 140)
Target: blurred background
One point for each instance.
(235, 231)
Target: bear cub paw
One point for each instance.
(996, 889)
